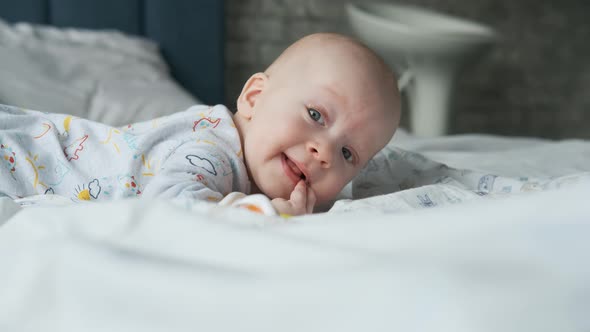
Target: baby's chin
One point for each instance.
(277, 193)
(320, 200)
(270, 191)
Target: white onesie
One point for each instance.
(194, 154)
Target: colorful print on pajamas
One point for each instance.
(195, 154)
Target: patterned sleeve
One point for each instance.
(194, 171)
(203, 172)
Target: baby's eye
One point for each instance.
(315, 115)
(347, 154)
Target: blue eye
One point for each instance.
(315, 115)
(347, 154)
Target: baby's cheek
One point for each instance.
(327, 192)
(274, 190)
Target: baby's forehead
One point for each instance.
(359, 101)
(370, 128)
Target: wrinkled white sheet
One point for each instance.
(514, 262)
(517, 264)
(508, 156)
(414, 173)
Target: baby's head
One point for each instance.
(319, 112)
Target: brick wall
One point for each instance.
(534, 82)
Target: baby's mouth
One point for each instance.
(294, 169)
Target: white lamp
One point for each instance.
(427, 48)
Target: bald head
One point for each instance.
(328, 104)
(346, 58)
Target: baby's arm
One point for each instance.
(204, 172)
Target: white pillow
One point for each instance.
(104, 76)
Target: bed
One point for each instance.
(456, 233)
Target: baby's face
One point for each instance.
(321, 128)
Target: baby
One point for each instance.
(303, 129)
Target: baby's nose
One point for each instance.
(322, 153)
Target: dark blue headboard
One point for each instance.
(189, 32)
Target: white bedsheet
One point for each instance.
(516, 264)
(504, 263)
(427, 172)
(509, 156)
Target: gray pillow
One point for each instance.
(104, 76)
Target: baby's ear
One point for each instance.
(250, 92)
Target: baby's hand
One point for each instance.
(301, 201)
